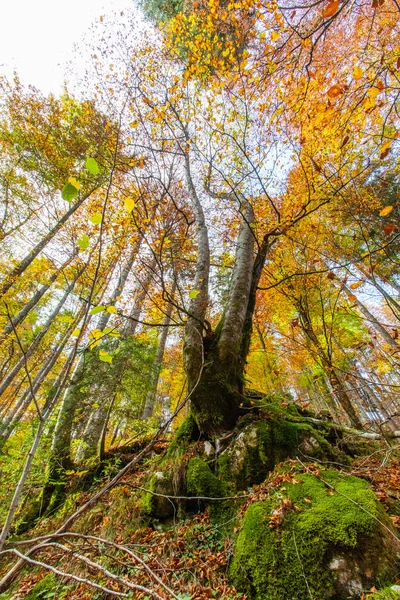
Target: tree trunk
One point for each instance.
(33, 301)
(28, 353)
(215, 403)
(152, 393)
(11, 421)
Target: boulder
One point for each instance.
(317, 537)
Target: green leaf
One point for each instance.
(104, 356)
(96, 218)
(83, 242)
(69, 192)
(111, 331)
(92, 166)
(96, 310)
(194, 293)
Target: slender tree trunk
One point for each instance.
(141, 294)
(33, 301)
(89, 446)
(152, 393)
(193, 352)
(326, 360)
(11, 421)
(371, 319)
(28, 353)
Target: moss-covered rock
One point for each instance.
(264, 443)
(309, 540)
(158, 502)
(201, 481)
(187, 432)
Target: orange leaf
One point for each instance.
(334, 91)
(354, 286)
(331, 9)
(352, 298)
(385, 211)
(345, 140)
(385, 149)
(388, 229)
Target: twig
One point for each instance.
(94, 565)
(38, 563)
(138, 487)
(301, 564)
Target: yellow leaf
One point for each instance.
(275, 35)
(373, 92)
(357, 73)
(111, 309)
(356, 285)
(75, 183)
(369, 103)
(386, 146)
(129, 204)
(385, 211)
(76, 332)
(331, 9)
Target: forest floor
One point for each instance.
(190, 553)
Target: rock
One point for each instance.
(310, 541)
(209, 449)
(262, 444)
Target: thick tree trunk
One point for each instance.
(216, 401)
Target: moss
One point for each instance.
(294, 559)
(387, 593)
(187, 432)
(201, 481)
(168, 481)
(160, 507)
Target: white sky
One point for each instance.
(37, 36)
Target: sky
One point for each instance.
(37, 37)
